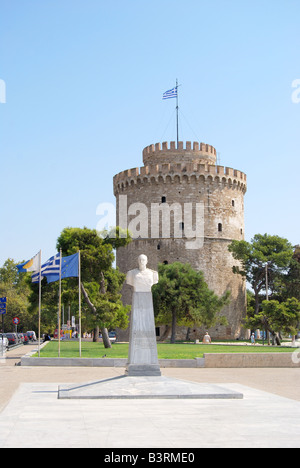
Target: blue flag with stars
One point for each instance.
(69, 268)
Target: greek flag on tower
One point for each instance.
(171, 93)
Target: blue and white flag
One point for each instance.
(171, 93)
(51, 267)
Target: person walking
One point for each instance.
(206, 338)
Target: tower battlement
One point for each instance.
(196, 152)
(166, 172)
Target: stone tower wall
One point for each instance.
(187, 176)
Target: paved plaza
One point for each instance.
(31, 415)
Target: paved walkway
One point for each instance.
(32, 416)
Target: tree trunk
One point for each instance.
(256, 295)
(105, 337)
(165, 333)
(96, 338)
(173, 335)
(106, 340)
(275, 338)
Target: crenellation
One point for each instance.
(226, 175)
(187, 150)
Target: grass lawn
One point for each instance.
(70, 349)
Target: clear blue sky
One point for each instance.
(84, 83)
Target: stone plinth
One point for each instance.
(145, 387)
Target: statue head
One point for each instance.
(143, 260)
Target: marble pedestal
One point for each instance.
(142, 355)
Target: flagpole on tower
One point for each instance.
(177, 108)
(172, 93)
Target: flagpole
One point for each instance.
(59, 303)
(177, 111)
(79, 300)
(40, 301)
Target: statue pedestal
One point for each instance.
(142, 356)
(135, 370)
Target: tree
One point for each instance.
(277, 317)
(290, 284)
(16, 288)
(292, 306)
(182, 297)
(265, 256)
(49, 307)
(100, 282)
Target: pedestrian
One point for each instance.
(253, 339)
(206, 338)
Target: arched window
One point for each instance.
(220, 227)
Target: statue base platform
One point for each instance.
(145, 387)
(140, 370)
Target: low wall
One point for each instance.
(252, 360)
(227, 360)
(27, 360)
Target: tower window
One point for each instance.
(158, 247)
(232, 203)
(220, 227)
(163, 199)
(181, 226)
(166, 262)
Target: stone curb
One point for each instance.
(104, 362)
(230, 360)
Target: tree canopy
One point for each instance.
(100, 282)
(182, 297)
(16, 289)
(266, 256)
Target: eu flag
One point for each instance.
(69, 269)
